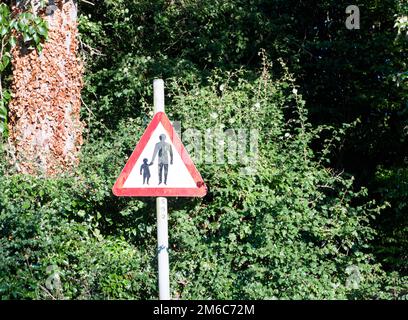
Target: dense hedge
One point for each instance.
(323, 215)
(344, 75)
(292, 229)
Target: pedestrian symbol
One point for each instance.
(160, 166)
(164, 149)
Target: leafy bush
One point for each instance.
(292, 229)
(26, 28)
(391, 186)
(46, 233)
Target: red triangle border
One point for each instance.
(119, 190)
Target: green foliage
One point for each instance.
(3, 111)
(291, 230)
(140, 40)
(288, 231)
(401, 22)
(25, 29)
(391, 185)
(345, 76)
(51, 225)
(295, 228)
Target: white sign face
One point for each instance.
(166, 170)
(160, 166)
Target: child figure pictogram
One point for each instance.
(146, 171)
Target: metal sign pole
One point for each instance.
(161, 210)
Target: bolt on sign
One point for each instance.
(160, 166)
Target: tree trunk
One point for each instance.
(45, 131)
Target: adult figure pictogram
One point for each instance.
(163, 149)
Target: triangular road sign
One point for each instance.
(160, 166)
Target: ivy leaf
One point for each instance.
(42, 30)
(36, 38)
(6, 95)
(31, 30)
(27, 37)
(3, 118)
(3, 111)
(12, 41)
(3, 30)
(4, 62)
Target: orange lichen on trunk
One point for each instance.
(45, 131)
